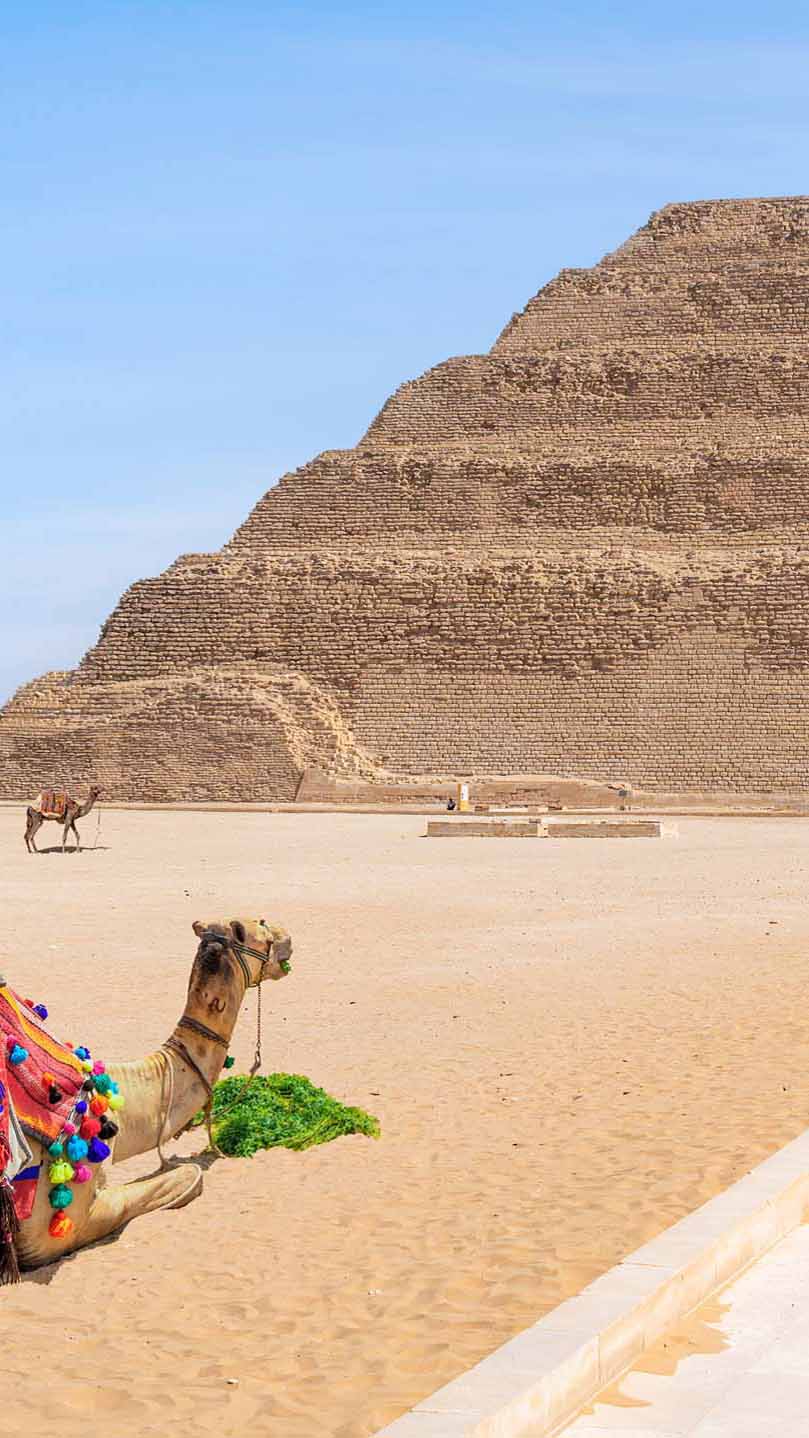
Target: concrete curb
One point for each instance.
(536, 1383)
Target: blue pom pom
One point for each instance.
(41, 1010)
(76, 1149)
(81, 1106)
(18, 1054)
(98, 1151)
(81, 1052)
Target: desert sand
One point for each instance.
(569, 1045)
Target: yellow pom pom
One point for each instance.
(61, 1172)
(116, 1100)
(87, 1065)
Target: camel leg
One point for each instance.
(116, 1204)
(33, 825)
(76, 832)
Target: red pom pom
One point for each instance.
(60, 1226)
(90, 1128)
(100, 1104)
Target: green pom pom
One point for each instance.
(56, 1149)
(229, 1062)
(61, 1196)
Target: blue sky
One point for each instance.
(228, 230)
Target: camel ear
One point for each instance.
(239, 931)
(198, 927)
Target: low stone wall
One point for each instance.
(483, 829)
(604, 829)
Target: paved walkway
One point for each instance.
(737, 1368)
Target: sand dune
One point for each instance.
(569, 1046)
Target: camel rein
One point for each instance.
(176, 1046)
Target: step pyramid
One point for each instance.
(585, 553)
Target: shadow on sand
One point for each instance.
(91, 849)
(48, 1271)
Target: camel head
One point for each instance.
(242, 946)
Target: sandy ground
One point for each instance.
(569, 1044)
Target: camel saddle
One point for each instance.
(44, 1088)
(52, 803)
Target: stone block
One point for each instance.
(603, 829)
(482, 829)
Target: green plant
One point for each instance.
(279, 1111)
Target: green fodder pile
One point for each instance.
(280, 1111)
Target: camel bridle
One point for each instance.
(238, 950)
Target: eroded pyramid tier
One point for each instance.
(604, 484)
(711, 269)
(514, 395)
(335, 618)
(227, 733)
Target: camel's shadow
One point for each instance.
(92, 849)
(48, 1271)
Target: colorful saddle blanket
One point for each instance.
(5, 1117)
(45, 1085)
(52, 803)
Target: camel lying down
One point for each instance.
(164, 1091)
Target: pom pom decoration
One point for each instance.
(83, 1135)
(60, 1226)
(229, 1062)
(60, 1172)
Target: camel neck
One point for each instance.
(148, 1083)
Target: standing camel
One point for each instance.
(163, 1091)
(51, 804)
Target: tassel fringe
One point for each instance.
(9, 1229)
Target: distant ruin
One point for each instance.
(582, 553)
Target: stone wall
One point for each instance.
(585, 553)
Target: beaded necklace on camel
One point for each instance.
(82, 1139)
